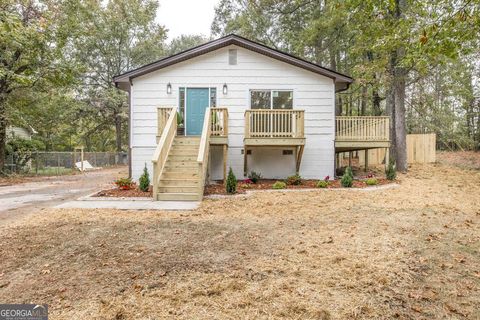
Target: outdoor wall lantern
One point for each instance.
(169, 88)
(225, 89)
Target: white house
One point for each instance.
(239, 104)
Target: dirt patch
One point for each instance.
(409, 253)
(119, 193)
(266, 184)
(462, 159)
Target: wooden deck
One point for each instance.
(361, 133)
(274, 128)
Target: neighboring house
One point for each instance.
(241, 105)
(19, 132)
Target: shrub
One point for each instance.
(347, 178)
(322, 184)
(231, 186)
(144, 181)
(294, 180)
(125, 183)
(254, 176)
(279, 185)
(371, 181)
(391, 172)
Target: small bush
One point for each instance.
(254, 176)
(322, 184)
(391, 172)
(144, 181)
(231, 186)
(279, 185)
(245, 185)
(125, 183)
(294, 180)
(347, 178)
(371, 182)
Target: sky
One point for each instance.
(186, 16)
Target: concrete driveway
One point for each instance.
(21, 199)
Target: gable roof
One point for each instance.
(342, 81)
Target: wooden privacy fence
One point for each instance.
(420, 149)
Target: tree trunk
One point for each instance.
(400, 130)
(3, 132)
(400, 74)
(118, 132)
(364, 101)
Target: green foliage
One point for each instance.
(125, 183)
(22, 151)
(231, 185)
(322, 184)
(371, 182)
(294, 180)
(254, 176)
(279, 185)
(347, 178)
(144, 181)
(391, 172)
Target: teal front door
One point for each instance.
(197, 103)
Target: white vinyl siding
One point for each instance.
(312, 92)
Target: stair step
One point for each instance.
(175, 196)
(184, 152)
(178, 182)
(176, 173)
(178, 189)
(180, 157)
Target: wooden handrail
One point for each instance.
(362, 128)
(204, 149)
(263, 123)
(219, 122)
(163, 148)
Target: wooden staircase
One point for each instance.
(180, 179)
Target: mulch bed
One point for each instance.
(266, 184)
(118, 193)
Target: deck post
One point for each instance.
(245, 161)
(350, 154)
(387, 157)
(366, 160)
(224, 164)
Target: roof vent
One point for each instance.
(232, 56)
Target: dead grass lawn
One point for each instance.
(407, 253)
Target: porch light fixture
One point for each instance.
(169, 88)
(225, 89)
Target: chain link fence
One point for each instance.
(58, 163)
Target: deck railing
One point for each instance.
(203, 150)
(162, 118)
(164, 144)
(274, 123)
(219, 122)
(362, 128)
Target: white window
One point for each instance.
(271, 99)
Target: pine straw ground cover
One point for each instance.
(409, 253)
(218, 188)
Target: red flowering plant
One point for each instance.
(327, 178)
(247, 181)
(370, 175)
(125, 183)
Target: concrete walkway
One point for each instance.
(130, 204)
